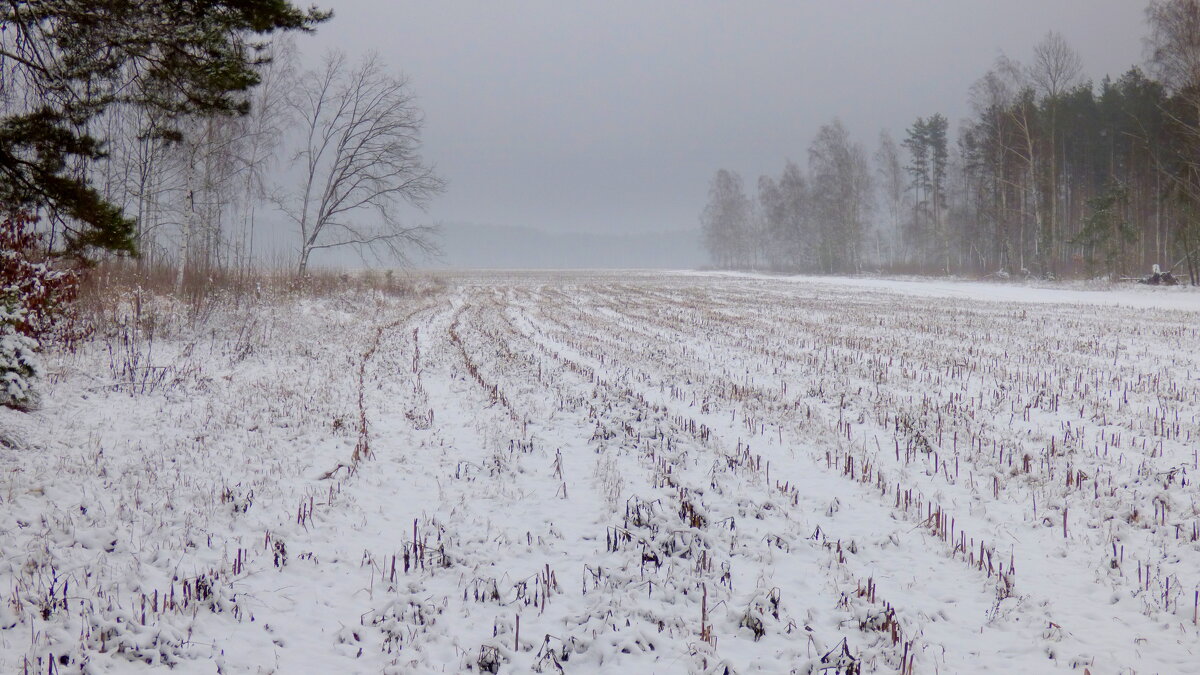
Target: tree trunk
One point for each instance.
(189, 221)
(302, 269)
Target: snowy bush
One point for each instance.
(32, 296)
(18, 363)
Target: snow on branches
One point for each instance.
(32, 295)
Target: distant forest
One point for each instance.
(1051, 176)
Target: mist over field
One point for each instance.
(495, 247)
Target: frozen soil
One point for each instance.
(605, 472)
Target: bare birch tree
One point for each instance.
(841, 188)
(890, 170)
(1174, 46)
(1056, 68)
(359, 154)
(784, 204)
(262, 131)
(726, 222)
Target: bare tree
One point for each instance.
(214, 156)
(1022, 112)
(359, 153)
(1174, 42)
(788, 241)
(261, 134)
(1174, 47)
(841, 187)
(224, 161)
(1056, 68)
(890, 170)
(994, 140)
(1056, 65)
(135, 172)
(726, 221)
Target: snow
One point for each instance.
(1125, 294)
(19, 365)
(600, 471)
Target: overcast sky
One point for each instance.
(613, 116)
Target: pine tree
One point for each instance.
(935, 136)
(1107, 232)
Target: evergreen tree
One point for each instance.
(935, 136)
(917, 144)
(929, 153)
(1106, 232)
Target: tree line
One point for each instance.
(1051, 175)
(167, 130)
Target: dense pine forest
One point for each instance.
(1052, 175)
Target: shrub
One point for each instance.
(32, 297)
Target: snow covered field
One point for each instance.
(614, 472)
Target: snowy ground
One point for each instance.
(607, 472)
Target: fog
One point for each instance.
(611, 118)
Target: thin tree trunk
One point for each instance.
(189, 220)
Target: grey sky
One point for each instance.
(612, 116)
